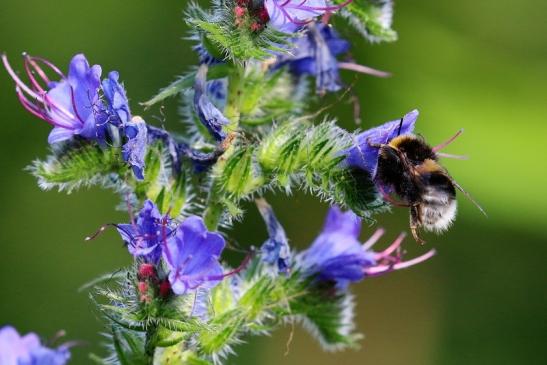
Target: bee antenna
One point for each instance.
(468, 196)
(446, 143)
(400, 126)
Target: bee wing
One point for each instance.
(467, 195)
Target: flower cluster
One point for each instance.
(28, 350)
(190, 252)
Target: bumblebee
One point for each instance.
(409, 167)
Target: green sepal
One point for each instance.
(371, 18)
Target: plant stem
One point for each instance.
(215, 208)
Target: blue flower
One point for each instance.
(192, 257)
(337, 256)
(207, 112)
(275, 251)
(70, 105)
(117, 102)
(315, 53)
(27, 350)
(134, 149)
(145, 236)
(364, 154)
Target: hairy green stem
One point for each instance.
(215, 209)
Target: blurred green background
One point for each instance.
(478, 65)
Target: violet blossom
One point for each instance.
(289, 15)
(192, 257)
(315, 53)
(275, 251)
(364, 153)
(207, 112)
(136, 145)
(337, 256)
(145, 236)
(28, 350)
(70, 105)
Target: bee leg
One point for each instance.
(415, 223)
(373, 145)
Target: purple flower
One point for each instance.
(70, 105)
(337, 256)
(208, 114)
(192, 257)
(275, 251)
(364, 154)
(134, 149)
(145, 237)
(27, 350)
(117, 102)
(315, 53)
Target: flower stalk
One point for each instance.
(250, 128)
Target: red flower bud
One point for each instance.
(263, 15)
(256, 26)
(143, 287)
(239, 11)
(147, 271)
(165, 288)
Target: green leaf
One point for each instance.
(328, 315)
(185, 82)
(79, 166)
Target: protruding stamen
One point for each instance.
(396, 244)
(450, 140)
(449, 155)
(363, 69)
(18, 81)
(100, 231)
(50, 65)
(373, 239)
(381, 269)
(31, 107)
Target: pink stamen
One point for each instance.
(237, 270)
(50, 65)
(32, 108)
(450, 140)
(363, 69)
(50, 104)
(373, 239)
(395, 245)
(30, 75)
(381, 269)
(18, 81)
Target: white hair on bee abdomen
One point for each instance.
(438, 210)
